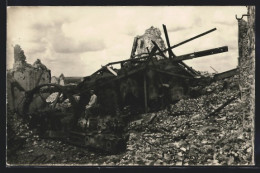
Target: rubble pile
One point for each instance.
(18, 133)
(183, 134)
(186, 135)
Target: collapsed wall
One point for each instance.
(24, 77)
(246, 62)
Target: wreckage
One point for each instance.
(150, 79)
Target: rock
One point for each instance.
(130, 148)
(230, 160)
(149, 157)
(204, 141)
(183, 149)
(179, 164)
(249, 150)
(176, 144)
(180, 154)
(167, 156)
(158, 162)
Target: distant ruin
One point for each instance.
(63, 80)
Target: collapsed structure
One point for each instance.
(151, 78)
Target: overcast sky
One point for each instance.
(76, 41)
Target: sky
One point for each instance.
(76, 41)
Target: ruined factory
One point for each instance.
(152, 110)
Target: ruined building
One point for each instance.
(24, 77)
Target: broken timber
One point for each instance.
(183, 42)
(171, 54)
(178, 58)
(223, 106)
(226, 74)
(201, 53)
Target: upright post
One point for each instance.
(145, 94)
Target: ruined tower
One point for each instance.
(144, 41)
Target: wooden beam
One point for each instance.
(178, 58)
(112, 71)
(188, 40)
(189, 68)
(157, 47)
(201, 53)
(193, 38)
(123, 61)
(226, 74)
(150, 58)
(147, 50)
(172, 74)
(171, 54)
(223, 105)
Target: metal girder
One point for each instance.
(201, 53)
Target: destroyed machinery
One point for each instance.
(145, 82)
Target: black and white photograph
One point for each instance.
(130, 86)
